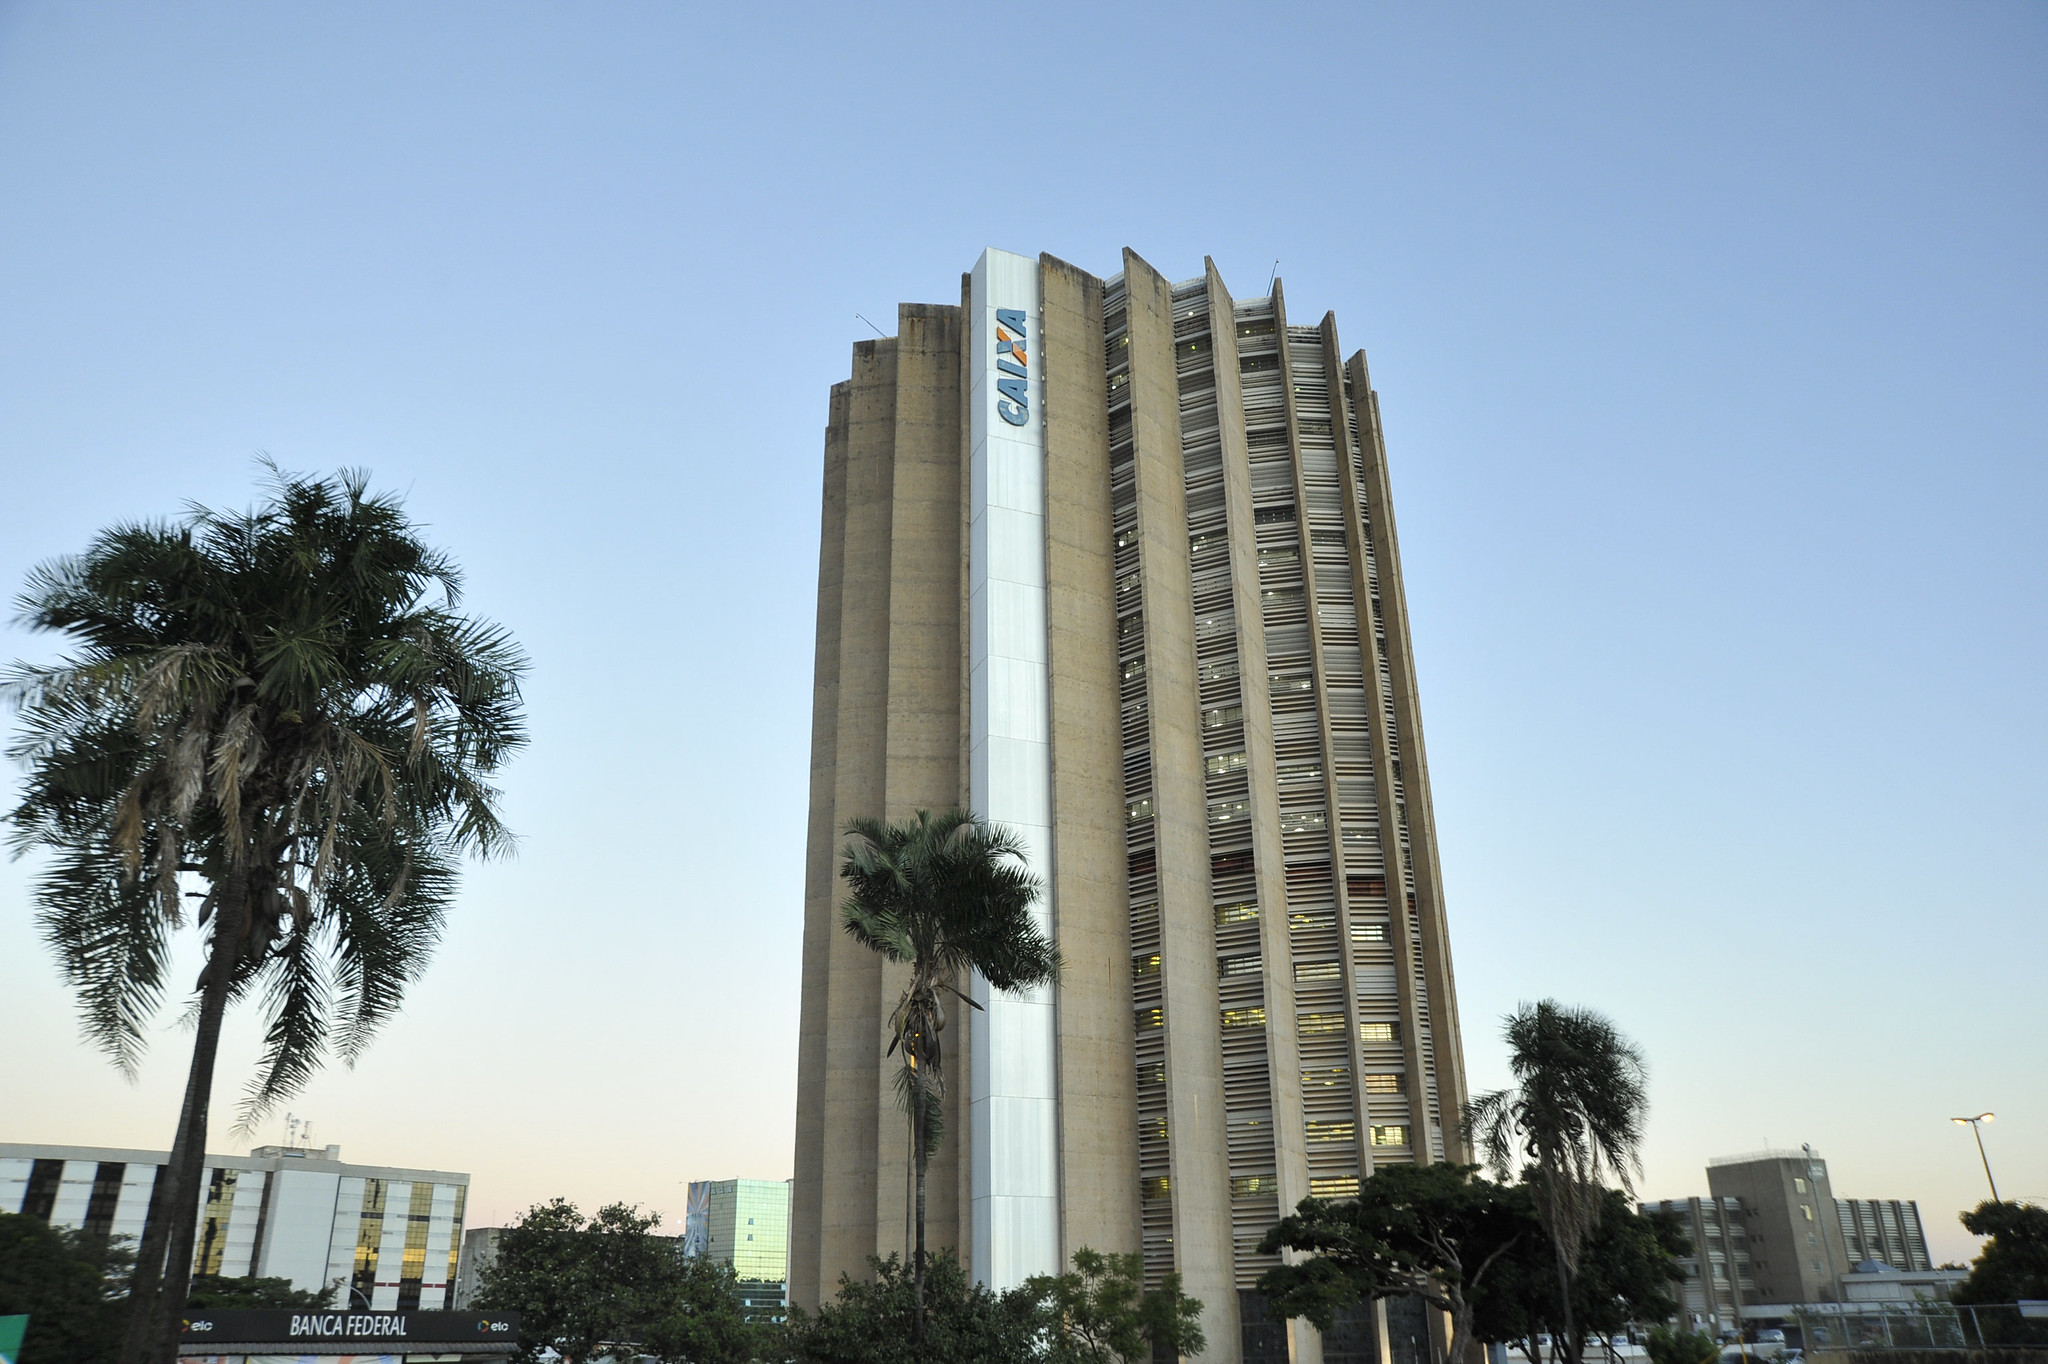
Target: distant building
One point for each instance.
(479, 1252)
(746, 1224)
(388, 1237)
(1772, 1236)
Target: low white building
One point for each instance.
(385, 1238)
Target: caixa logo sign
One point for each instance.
(1013, 363)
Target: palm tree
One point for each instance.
(1574, 1118)
(944, 895)
(279, 714)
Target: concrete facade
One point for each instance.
(1241, 873)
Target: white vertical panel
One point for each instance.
(14, 1173)
(74, 1192)
(133, 1210)
(300, 1228)
(341, 1248)
(238, 1248)
(440, 1235)
(391, 1250)
(1013, 1101)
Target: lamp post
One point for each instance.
(1976, 1126)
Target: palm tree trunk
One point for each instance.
(1567, 1344)
(163, 1267)
(917, 1262)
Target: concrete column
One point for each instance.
(1198, 1142)
(1098, 1136)
(854, 1024)
(820, 872)
(1269, 858)
(922, 763)
(1429, 892)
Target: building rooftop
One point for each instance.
(1770, 1153)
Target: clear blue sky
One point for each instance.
(1711, 344)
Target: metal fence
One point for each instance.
(1919, 1326)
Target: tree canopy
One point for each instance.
(67, 1283)
(2013, 1264)
(606, 1287)
(1439, 1232)
(1100, 1312)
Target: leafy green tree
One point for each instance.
(697, 1318)
(279, 714)
(587, 1287)
(219, 1293)
(2014, 1263)
(1437, 1231)
(1574, 1118)
(1101, 1312)
(943, 895)
(67, 1283)
(1628, 1269)
(870, 1321)
(1676, 1345)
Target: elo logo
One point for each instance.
(1013, 361)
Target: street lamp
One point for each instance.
(1976, 1125)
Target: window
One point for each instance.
(1311, 918)
(1271, 556)
(1267, 516)
(1325, 1077)
(1229, 811)
(1251, 1186)
(1331, 1131)
(1302, 821)
(1223, 764)
(1151, 1018)
(1806, 1211)
(1219, 672)
(1368, 932)
(1390, 1134)
(1383, 1084)
(1239, 966)
(1343, 1187)
(1138, 809)
(1293, 684)
(1243, 913)
(1244, 1018)
(1315, 970)
(1152, 1073)
(1152, 1129)
(1216, 717)
(1158, 1186)
(1379, 1032)
(1798, 1185)
(1252, 364)
(1311, 1024)
(1145, 966)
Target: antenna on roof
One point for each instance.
(1270, 278)
(878, 331)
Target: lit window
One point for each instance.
(1153, 1073)
(1223, 764)
(1312, 918)
(1315, 970)
(1219, 672)
(1158, 1186)
(1379, 1032)
(1806, 1211)
(1152, 1129)
(1331, 1131)
(1239, 966)
(1272, 556)
(1145, 966)
(1151, 1018)
(1390, 1134)
(1250, 1186)
(1368, 932)
(1302, 821)
(1229, 811)
(1798, 1185)
(1325, 1077)
(1344, 1187)
(1138, 810)
(1216, 717)
(1236, 914)
(1294, 684)
(1383, 1084)
(1311, 1024)
(1244, 1018)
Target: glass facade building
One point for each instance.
(390, 1236)
(745, 1223)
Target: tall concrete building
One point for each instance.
(1113, 563)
